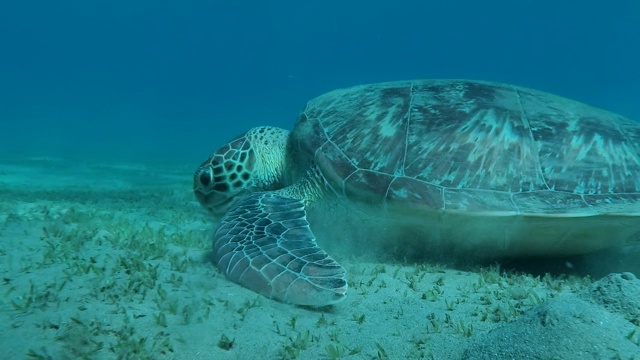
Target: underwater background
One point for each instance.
(171, 80)
(107, 107)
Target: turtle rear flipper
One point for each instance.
(265, 244)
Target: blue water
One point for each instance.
(149, 80)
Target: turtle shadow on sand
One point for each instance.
(596, 265)
(362, 239)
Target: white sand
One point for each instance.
(104, 261)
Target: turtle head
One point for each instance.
(252, 162)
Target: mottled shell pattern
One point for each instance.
(471, 146)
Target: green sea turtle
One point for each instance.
(478, 166)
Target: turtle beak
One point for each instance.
(215, 201)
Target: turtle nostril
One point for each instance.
(205, 178)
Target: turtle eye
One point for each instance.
(205, 178)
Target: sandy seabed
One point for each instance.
(112, 261)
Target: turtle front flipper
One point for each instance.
(265, 244)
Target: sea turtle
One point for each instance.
(478, 166)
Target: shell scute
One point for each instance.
(484, 146)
